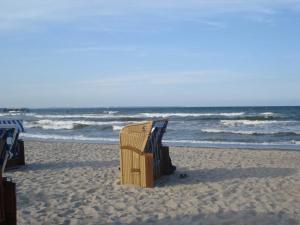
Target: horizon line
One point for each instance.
(97, 107)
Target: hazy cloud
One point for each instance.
(97, 49)
(170, 79)
(21, 14)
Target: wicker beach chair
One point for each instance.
(141, 153)
(15, 146)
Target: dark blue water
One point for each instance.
(252, 127)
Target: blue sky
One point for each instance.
(64, 53)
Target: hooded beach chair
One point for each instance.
(14, 146)
(141, 153)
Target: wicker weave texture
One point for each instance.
(134, 163)
(140, 146)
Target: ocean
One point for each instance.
(229, 127)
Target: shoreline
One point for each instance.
(173, 146)
(78, 183)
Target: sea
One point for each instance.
(219, 127)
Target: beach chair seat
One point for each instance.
(15, 147)
(9, 202)
(141, 155)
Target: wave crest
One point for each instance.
(69, 124)
(65, 137)
(253, 122)
(257, 133)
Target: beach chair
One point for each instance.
(8, 204)
(142, 153)
(15, 147)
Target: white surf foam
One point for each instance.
(267, 114)
(233, 143)
(116, 127)
(50, 124)
(11, 114)
(112, 114)
(228, 131)
(252, 122)
(191, 114)
(247, 132)
(68, 124)
(62, 137)
(87, 116)
(61, 116)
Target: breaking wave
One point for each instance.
(253, 122)
(225, 143)
(65, 137)
(115, 114)
(70, 125)
(206, 126)
(157, 115)
(242, 132)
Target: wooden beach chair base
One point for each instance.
(18, 160)
(137, 169)
(8, 204)
(2, 213)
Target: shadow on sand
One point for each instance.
(222, 174)
(226, 218)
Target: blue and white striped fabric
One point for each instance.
(13, 128)
(4, 151)
(16, 124)
(158, 130)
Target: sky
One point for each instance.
(96, 53)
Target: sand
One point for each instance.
(76, 183)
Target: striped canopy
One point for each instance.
(16, 124)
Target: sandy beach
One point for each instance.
(77, 183)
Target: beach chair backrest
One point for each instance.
(155, 139)
(136, 136)
(155, 143)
